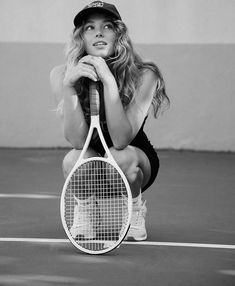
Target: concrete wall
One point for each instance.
(192, 41)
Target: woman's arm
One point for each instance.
(74, 124)
(139, 107)
(124, 124)
(119, 126)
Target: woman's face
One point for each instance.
(99, 36)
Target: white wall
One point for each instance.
(149, 21)
(193, 42)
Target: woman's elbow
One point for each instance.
(76, 141)
(76, 144)
(122, 142)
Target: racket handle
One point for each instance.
(94, 98)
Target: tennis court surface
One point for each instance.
(190, 222)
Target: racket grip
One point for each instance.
(94, 98)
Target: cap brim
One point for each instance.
(81, 16)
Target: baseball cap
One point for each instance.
(96, 6)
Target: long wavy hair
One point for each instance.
(125, 64)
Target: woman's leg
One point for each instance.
(135, 165)
(71, 158)
(132, 160)
(86, 207)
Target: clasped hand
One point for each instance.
(91, 67)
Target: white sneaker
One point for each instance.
(86, 220)
(137, 229)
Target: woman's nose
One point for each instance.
(99, 34)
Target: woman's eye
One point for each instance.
(89, 28)
(108, 26)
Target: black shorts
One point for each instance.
(141, 141)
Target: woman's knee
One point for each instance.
(127, 160)
(71, 158)
(134, 164)
(135, 175)
(69, 161)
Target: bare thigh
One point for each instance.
(132, 158)
(71, 158)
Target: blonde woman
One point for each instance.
(101, 50)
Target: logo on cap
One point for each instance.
(96, 4)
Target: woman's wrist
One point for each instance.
(109, 82)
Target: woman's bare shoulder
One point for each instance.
(149, 75)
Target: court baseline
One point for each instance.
(142, 243)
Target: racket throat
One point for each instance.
(95, 121)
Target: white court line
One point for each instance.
(144, 243)
(28, 196)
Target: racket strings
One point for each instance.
(96, 205)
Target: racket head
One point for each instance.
(101, 225)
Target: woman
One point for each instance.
(101, 50)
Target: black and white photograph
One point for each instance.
(117, 143)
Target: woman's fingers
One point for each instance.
(92, 61)
(88, 71)
(100, 66)
(73, 73)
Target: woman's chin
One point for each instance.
(102, 54)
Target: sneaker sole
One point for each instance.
(135, 238)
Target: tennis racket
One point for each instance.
(96, 200)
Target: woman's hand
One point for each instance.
(74, 72)
(101, 68)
